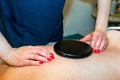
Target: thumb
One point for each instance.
(86, 38)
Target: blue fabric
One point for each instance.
(31, 22)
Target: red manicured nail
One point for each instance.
(52, 56)
(95, 50)
(49, 59)
(41, 62)
(99, 51)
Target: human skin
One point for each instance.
(98, 37)
(23, 56)
(103, 66)
(32, 55)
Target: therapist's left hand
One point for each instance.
(98, 40)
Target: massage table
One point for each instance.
(103, 66)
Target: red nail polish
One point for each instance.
(52, 56)
(95, 50)
(41, 62)
(49, 59)
(99, 51)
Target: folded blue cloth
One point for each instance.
(73, 37)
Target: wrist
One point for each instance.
(5, 53)
(102, 28)
(8, 56)
(5, 47)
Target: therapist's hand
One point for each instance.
(98, 40)
(28, 56)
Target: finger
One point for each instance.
(33, 63)
(39, 50)
(44, 53)
(102, 46)
(98, 42)
(86, 38)
(105, 46)
(49, 57)
(93, 41)
(37, 57)
(49, 54)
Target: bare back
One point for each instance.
(104, 66)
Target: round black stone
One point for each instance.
(72, 49)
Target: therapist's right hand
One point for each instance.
(28, 56)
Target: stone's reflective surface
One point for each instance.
(72, 49)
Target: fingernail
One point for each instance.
(99, 51)
(52, 56)
(41, 62)
(95, 50)
(49, 59)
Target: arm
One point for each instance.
(23, 56)
(4, 46)
(98, 37)
(103, 15)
